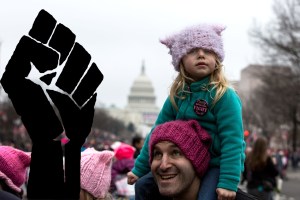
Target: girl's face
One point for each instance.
(199, 63)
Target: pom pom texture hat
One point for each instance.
(190, 137)
(96, 171)
(13, 167)
(202, 36)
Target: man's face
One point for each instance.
(173, 172)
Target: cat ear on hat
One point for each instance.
(218, 29)
(201, 132)
(168, 41)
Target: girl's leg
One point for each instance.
(208, 184)
(146, 188)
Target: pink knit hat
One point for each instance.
(190, 137)
(13, 164)
(96, 171)
(124, 151)
(203, 36)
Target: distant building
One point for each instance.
(141, 109)
(251, 79)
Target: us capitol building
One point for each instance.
(141, 109)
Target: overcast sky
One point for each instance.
(119, 34)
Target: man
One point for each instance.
(179, 158)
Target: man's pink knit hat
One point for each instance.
(203, 36)
(96, 171)
(190, 137)
(13, 166)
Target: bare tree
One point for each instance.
(279, 42)
(104, 122)
(269, 101)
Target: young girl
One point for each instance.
(201, 92)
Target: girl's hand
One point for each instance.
(224, 194)
(131, 178)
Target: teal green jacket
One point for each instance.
(223, 121)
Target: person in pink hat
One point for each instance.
(123, 163)
(13, 170)
(95, 174)
(179, 161)
(201, 92)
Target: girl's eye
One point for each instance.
(208, 51)
(193, 51)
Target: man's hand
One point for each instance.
(131, 178)
(65, 76)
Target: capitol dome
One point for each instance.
(141, 109)
(142, 98)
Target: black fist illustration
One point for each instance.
(50, 47)
(62, 99)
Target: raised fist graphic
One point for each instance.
(51, 46)
(69, 80)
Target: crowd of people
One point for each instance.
(107, 169)
(263, 166)
(101, 172)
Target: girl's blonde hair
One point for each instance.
(218, 81)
